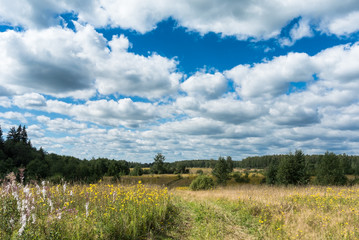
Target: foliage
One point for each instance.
(199, 171)
(158, 164)
(137, 171)
(239, 178)
(271, 173)
(94, 211)
(222, 169)
(330, 171)
(291, 169)
(202, 182)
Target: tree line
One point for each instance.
(300, 169)
(18, 154)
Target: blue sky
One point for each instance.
(191, 79)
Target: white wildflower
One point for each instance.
(23, 224)
(87, 206)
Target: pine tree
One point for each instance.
(11, 134)
(18, 134)
(23, 135)
(220, 171)
(285, 171)
(330, 171)
(301, 177)
(271, 173)
(1, 140)
(229, 164)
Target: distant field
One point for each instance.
(179, 180)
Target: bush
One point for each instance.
(202, 182)
(199, 171)
(239, 179)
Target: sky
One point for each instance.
(191, 79)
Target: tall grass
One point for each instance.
(266, 212)
(95, 211)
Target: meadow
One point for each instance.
(94, 211)
(144, 210)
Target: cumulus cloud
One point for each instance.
(59, 62)
(15, 116)
(300, 30)
(270, 79)
(209, 86)
(5, 102)
(61, 125)
(345, 25)
(128, 74)
(29, 101)
(243, 19)
(47, 61)
(194, 126)
(124, 112)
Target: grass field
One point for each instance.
(133, 210)
(266, 212)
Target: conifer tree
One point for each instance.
(220, 171)
(11, 134)
(229, 164)
(1, 139)
(23, 135)
(330, 171)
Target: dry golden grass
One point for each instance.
(309, 212)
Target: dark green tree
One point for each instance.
(271, 173)
(292, 169)
(220, 171)
(230, 165)
(158, 164)
(23, 135)
(137, 171)
(285, 171)
(1, 140)
(12, 135)
(37, 169)
(330, 171)
(18, 133)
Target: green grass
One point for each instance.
(138, 211)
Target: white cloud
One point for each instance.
(270, 79)
(29, 101)
(300, 30)
(128, 74)
(209, 86)
(5, 102)
(61, 125)
(345, 25)
(239, 18)
(62, 63)
(47, 61)
(123, 112)
(15, 116)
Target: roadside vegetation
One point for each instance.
(95, 211)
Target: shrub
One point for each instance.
(241, 179)
(202, 182)
(199, 171)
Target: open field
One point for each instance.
(138, 211)
(266, 212)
